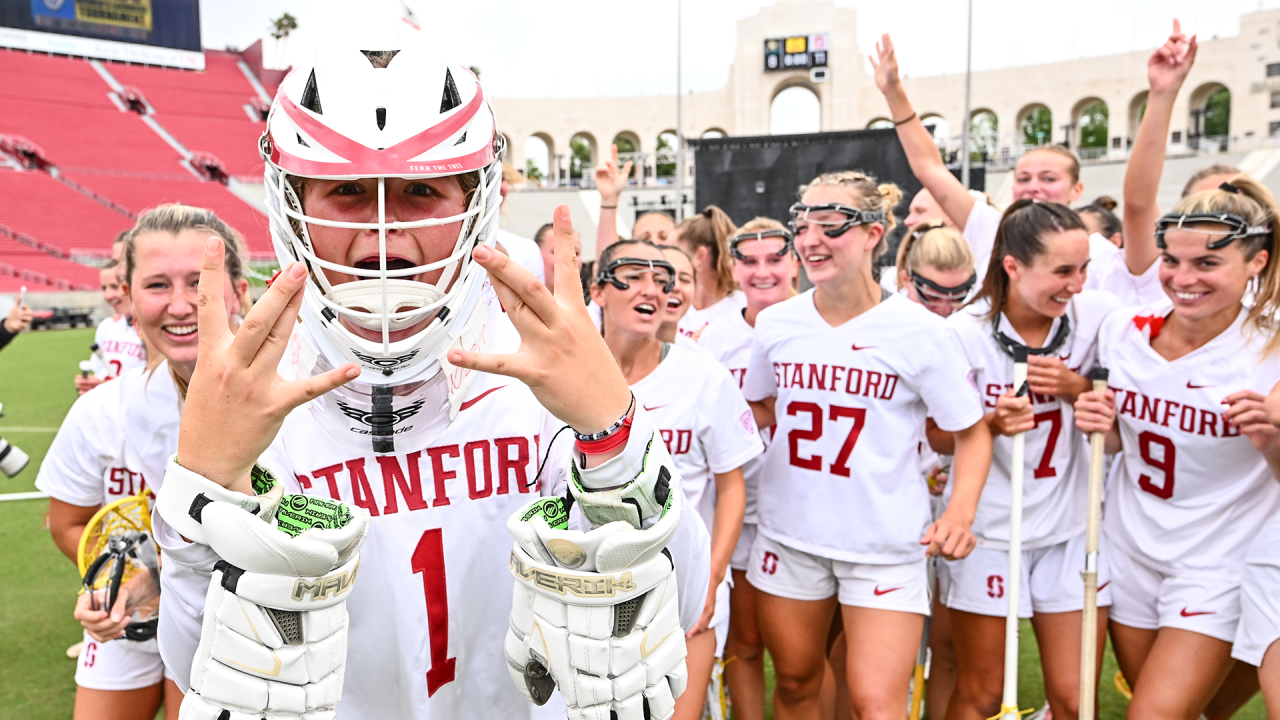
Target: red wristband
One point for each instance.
(606, 444)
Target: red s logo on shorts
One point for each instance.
(770, 564)
(995, 586)
(90, 653)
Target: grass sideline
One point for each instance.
(38, 594)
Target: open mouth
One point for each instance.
(815, 260)
(764, 284)
(1188, 297)
(180, 331)
(393, 263)
(646, 308)
(674, 303)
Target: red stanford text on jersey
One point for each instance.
(836, 378)
(500, 466)
(1171, 414)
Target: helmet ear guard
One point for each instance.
(609, 273)
(742, 237)
(800, 213)
(1238, 228)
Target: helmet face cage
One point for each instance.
(760, 236)
(800, 213)
(336, 147)
(609, 273)
(1237, 228)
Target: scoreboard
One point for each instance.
(796, 52)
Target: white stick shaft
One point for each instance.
(1093, 530)
(1013, 583)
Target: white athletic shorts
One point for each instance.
(1143, 597)
(1051, 581)
(786, 572)
(1259, 613)
(118, 665)
(742, 551)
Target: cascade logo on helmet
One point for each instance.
(386, 363)
(372, 418)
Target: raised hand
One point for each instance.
(885, 64)
(1245, 410)
(237, 401)
(610, 180)
(562, 357)
(1170, 63)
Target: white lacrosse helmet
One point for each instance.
(391, 111)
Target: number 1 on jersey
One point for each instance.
(428, 559)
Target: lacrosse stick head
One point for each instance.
(116, 547)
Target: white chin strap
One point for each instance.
(365, 299)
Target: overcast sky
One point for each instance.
(586, 48)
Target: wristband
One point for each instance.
(608, 439)
(624, 420)
(904, 120)
(608, 207)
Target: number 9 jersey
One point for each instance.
(842, 477)
(1192, 492)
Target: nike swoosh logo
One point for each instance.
(1191, 386)
(864, 347)
(479, 397)
(275, 670)
(1193, 614)
(878, 591)
(1103, 585)
(655, 407)
(644, 643)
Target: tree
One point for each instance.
(474, 71)
(1093, 126)
(581, 156)
(1217, 113)
(283, 25)
(625, 144)
(531, 170)
(666, 145)
(1037, 127)
(983, 136)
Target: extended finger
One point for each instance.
(568, 291)
(277, 337)
(265, 314)
(509, 364)
(626, 169)
(211, 311)
(517, 288)
(301, 391)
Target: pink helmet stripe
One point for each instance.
(393, 167)
(364, 160)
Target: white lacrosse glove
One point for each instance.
(274, 640)
(596, 613)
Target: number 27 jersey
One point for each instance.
(1192, 492)
(842, 477)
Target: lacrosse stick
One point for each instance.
(1089, 638)
(1009, 700)
(115, 547)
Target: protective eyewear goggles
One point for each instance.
(932, 293)
(760, 236)
(622, 271)
(1237, 228)
(800, 214)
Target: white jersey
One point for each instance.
(842, 478)
(85, 465)
(980, 230)
(430, 612)
(524, 251)
(729, 342)
(696, 321)
(1192, 492)
(707, 426)
(1056, 469)
(1114, 277)
(120, 346)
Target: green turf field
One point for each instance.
(39, 584)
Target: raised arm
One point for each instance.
(1166, 70)
(922, 152)
(610, 181)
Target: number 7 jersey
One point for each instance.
(841, 477)
(1192, 492)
